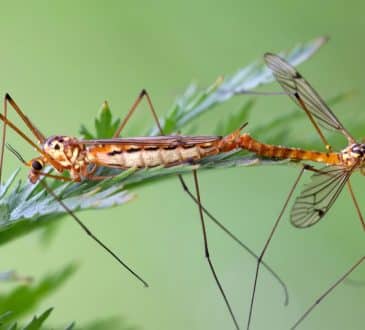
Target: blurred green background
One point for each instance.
(61, 60)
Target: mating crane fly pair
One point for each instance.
(81, 158)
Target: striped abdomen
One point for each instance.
(127, 156)
(245, 141)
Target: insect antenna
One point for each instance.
(16, 154)
(243, 126)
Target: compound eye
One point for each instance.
(37, 165)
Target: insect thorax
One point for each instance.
(354, 155)
(65, 150)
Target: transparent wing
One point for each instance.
(303, 94)
(318, 196)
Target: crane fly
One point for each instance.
(81, 158)
(326, 183)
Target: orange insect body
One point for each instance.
(67, 153)
(178, 150)
(271, 151)
(76, 156)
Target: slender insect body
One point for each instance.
(246, 142)
(140, 156)
(66, 153)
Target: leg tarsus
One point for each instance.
(91, 235)
(206, 251)
(134, 106)
(202, 209)
(327, 292)
(357, 207)
(235, 239)
(259, 262)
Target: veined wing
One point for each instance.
(318, 196)
(167, 140)
(303, 94)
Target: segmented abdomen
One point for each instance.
(246, 142)
(271, 151)
(128, 156)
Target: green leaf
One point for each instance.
(37, 322)
(111, 323)
(25, 298)
(105, 126)
(85, 133)
(4, 317)
(13, 327)
(29, 202)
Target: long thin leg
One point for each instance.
(206, 251)
(345, 275)
(79, 222)
(328, 291)
(2, 148)
(358, 211)
(6, 122)
(319, 131)
(134, 106)
(41, 138)
(308, 99)
(357, 207)
(259, 261)
(118, 131)
(35, 131)
(236, 239)
(89, 233)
